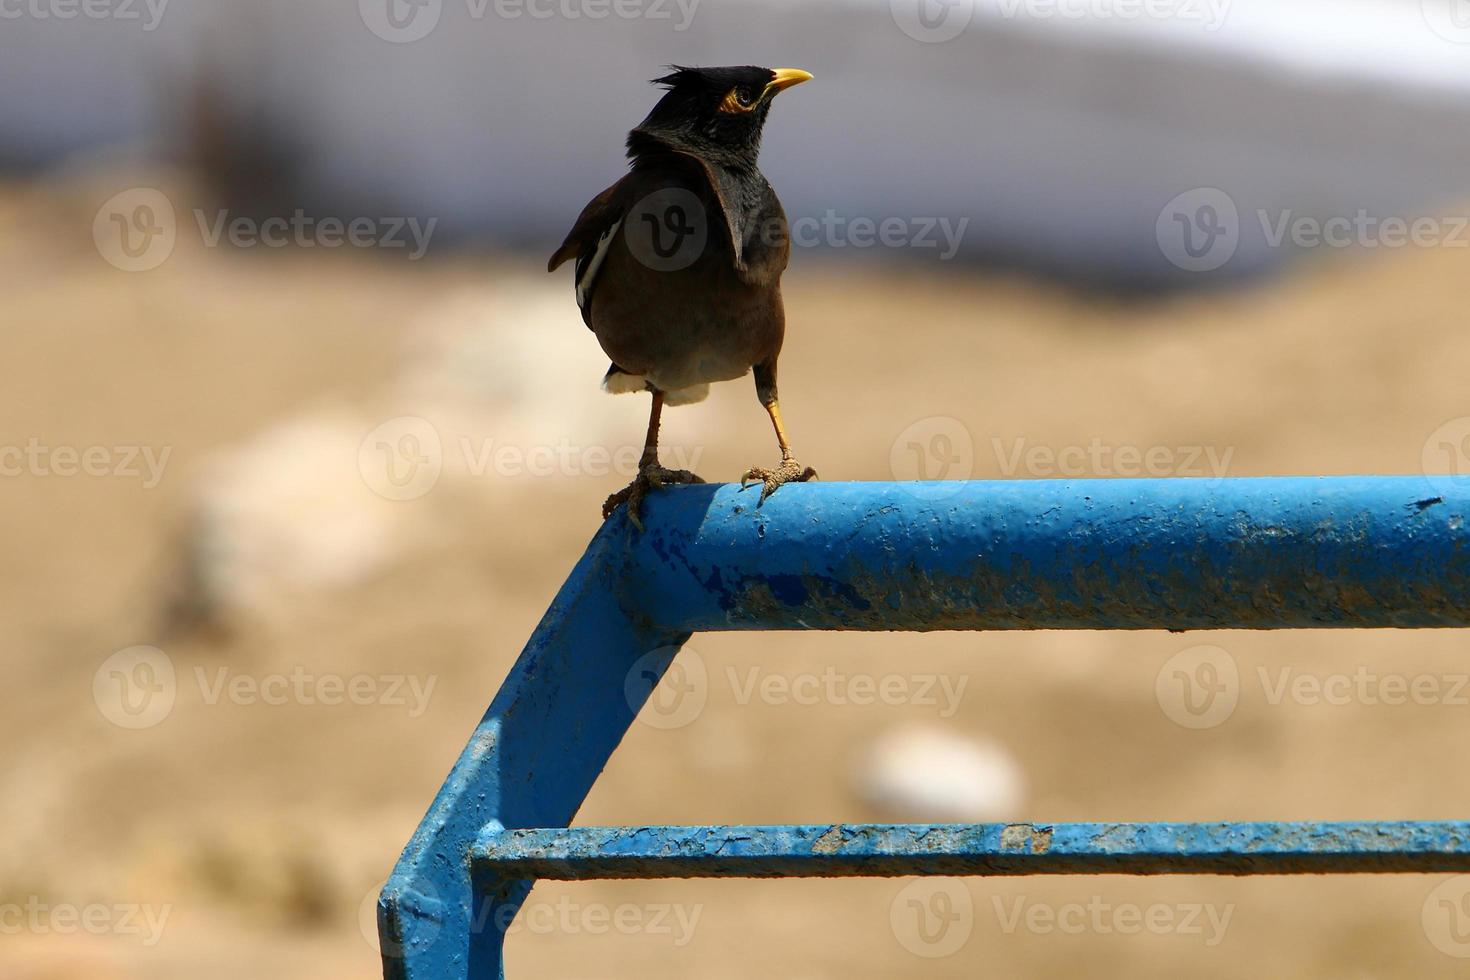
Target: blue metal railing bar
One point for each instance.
(889, 850)
(1096, 554)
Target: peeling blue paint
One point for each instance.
(788, 589)
(887, 850)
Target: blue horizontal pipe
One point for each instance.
(848, 850)
(1266, 553)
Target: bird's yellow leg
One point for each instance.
(774, 411)
(789, 470)
(650, 474)
(650, 441)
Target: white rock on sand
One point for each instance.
(932, 774)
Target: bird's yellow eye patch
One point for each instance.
(733, 103)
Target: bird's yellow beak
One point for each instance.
(787, 77)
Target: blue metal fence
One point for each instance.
(1099, 554)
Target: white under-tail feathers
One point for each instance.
(618, 383)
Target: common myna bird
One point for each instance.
(679, 263)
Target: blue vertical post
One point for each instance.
(564, 707)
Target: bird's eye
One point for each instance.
(738, 99)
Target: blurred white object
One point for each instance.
(498, 392)
(510, 377)
(928, 773)
(1060, 130)
(514, 357)
(282, 515)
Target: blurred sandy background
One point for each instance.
(229, 837)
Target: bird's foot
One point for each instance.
(650, 477)
(789, 471)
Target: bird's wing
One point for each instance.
(767, 252)
(588, 242)
(753, 221)
(726, 193)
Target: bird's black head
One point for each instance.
(714, 113)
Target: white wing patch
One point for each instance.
(587, 271)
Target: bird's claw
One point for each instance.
(789, 471)
(653, 477)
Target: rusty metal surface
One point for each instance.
(885, 850)
(1266, 553)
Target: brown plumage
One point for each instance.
(678, 265)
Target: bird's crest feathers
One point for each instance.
(677, 74)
